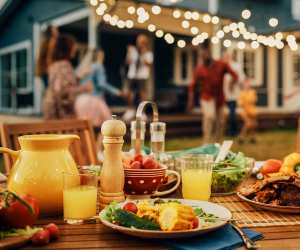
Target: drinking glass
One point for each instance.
(79, 197)
(196, 173)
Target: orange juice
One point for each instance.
(80, 202)
(196, 184)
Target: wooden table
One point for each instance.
(97, 236)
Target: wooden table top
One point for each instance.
(97, 236)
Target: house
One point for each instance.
(275, 72)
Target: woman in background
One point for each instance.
(92, 106)
(41, 65)
(63, 84)
(247, 102)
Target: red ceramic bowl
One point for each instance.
(143, 181)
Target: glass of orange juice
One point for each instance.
(79, 197)
(196, 173)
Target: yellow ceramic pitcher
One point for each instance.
(38, 169)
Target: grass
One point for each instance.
(272, 144)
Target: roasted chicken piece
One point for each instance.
(175, 217)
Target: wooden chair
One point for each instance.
(298, 136)
(83, 151)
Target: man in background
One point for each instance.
(210, 75)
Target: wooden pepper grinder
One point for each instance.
(112, 175)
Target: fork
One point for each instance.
(247, 241)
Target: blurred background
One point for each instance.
(261, 36)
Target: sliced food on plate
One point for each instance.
(164, 218)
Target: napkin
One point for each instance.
(224, 238)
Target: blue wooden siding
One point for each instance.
(19, 25)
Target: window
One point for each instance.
(296, 69)
(15, 77)
(251, 61)
(185, 61)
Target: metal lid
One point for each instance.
(113, 128)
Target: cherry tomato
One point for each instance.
(271, 166)
(149, 163)
(53, 231)
(138, 157)
(136, 165)
(130, 207)
(195, 223)
(41, 238)
(19, 211)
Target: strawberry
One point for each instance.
(41, 238)
(53, 231)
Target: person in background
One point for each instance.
(210, 74)
(247, 102)
(41, 64)
(231, 95)
(63, 84)
(139, 60)
(92, 106)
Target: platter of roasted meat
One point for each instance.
(276, 193)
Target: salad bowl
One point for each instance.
(221, 214)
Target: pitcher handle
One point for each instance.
(171, 190)
(13, 154)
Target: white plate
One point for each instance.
(223, 213)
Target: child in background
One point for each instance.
(247, 103)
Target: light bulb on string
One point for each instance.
(206, 18)
(215, 20)
(159, 33)
(220, 34)
(107, 17)
(156, 10)
(94, 2)
(254, 44)
(185, 24)
(188, 15)
(226, 29)
(181, 43)
(290, 38)
(176, 14)
(140, 11)
(279, 36)
(195, 15)
(233, 26)
(227, 43)
(151, 27)
(235, 34)
(246, 14)
(215, 40)
(169, 38)
(241, 45)
(121, 24)
(129, 24)
(273, 22)
(131, 10)
(194, 30)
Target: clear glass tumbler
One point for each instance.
(79, 197)
(196, 173)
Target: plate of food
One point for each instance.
(279, 193)
(164, 218)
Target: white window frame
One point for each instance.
(13, 49)
(257, 81)
(177, 79)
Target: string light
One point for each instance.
(254, 44)
(273, 22)
(185, 24)
(156, 10)
(195, 15)
(227, 43)
(246, 14)
(188, 15)
(159, 33)
(279, 36)
(215, 20)
(194, 30)
(220, 34)
(129, 24)
(140, 11)
(176, 14)
(151, 27)
(131, 10)
(121, 24)
(169, 38)
(94, 2)
(235, 34)
(233, 26)
(226, 29)
(215, 40)
(206, 18)
(290, 38)
(241, 45)
(181, 43)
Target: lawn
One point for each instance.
(272, 144)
